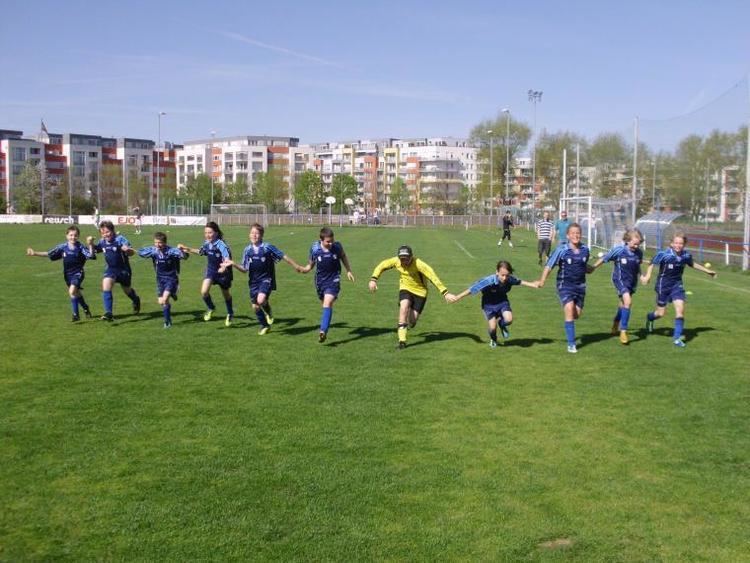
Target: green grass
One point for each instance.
(126, 441)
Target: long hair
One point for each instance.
(214, 226)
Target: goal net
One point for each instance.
(239, 213)
(603, 221)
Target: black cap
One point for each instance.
(405, 251)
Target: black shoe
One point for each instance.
(107, 317)
(401, 345)
(75, 318)
(137, 305)
(322, 336)
(87, 312)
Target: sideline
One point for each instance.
(459, 245)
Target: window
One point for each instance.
(79, 157)
(257, 155)
(93, 154)
(34, 150)
(19, 153)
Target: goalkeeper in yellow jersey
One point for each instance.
(412, 293)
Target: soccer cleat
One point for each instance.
(107, 317)
(87, 312)
(679, 343)
(269, 318)
(263, 331)
(624, 337)
(322, 336)
(75, 318)
(137, 305)
(500, 243)
(401, 344)
(572, 349)
(207, 316)
(167, 325)
(493, 343)
(649, 326)
(504, 332)
(228, 320)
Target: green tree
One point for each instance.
(309, 191)
(343, 186)
(198, 188)
(270, 190)
(237, 192)
(27, 190)
(549, 163)
(398, 200)
(138, 191)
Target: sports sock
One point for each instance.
(624, 318)
(261, 317)
(82, 302)
(679, 324)
(325, 319)
(209, 302)
(133, 296)
(402, 332)
(651, 316)
(167, 310)
(570, 332)
(267, 308)
(493, 334)
(618, 315)
(107, 298)
(74, 305)
(228, 303)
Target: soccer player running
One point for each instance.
(412, 294)
(117, 250)
(327, 255)
(258, 261)
(166, 261)
(507, 226)
(668, 286)
(74, 256)
(571, 259)
(544, 235)
(495, 303)
(216, 251)
(627, 258)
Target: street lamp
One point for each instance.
(492, 195)
(211, 160)
(534, 96)
(506, 111)
(158, 162)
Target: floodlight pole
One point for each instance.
(158, 163)
(492, 195)
(506, 111)
(746, 237)
(635, 170)
(534, 96)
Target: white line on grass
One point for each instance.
(714, 282)
(462, 248)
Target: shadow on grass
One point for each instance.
(666, 331)
(151, 315)
(587, 339)
(527, 342)
(295, 330)
(363, 332)
(430, 337)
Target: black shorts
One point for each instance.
(506, 234)
(417, 302)
(544, 246)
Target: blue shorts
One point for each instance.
(75, 279)
(496, 310)
(167, 284)
(224, 281)
(261, 286)
(576, 295)
(670, 294)
(623, 288)
(123, 277)
(331, 288)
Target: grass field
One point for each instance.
(128, 441)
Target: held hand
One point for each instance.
(644, 280)
(29, 251)
(535, 284)
(182, 247)
(373, 286)
(89, 240)
(540, 283)
(450, 298)
(350, 275)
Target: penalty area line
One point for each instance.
(459, 245)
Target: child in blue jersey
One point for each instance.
(669, 288)
(166, 261)
(74, 256)
(571, 259)
(327, 255)
(627, 258)
(216, 251)
(495, 303)
(258, 260)
(116, 249)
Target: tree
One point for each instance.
(398, 201)
(27, 190)
(549, 163)
(138, 191)
(198, 188)
(270, 190)
(309, 192)
(343, 186)
(237, 192)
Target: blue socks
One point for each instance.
(209, 302)
(570, 332)
(618, 315)
(261, 317)
(624, 318)
(74, 305)
(651, 316)
(679, 324)
(82, 302)
(493, 335)
(325, 319)
(133, 296)
(107, 298)
(167, 310)
(230, 311)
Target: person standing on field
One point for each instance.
(507, 226)
(544, 235)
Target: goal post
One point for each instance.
(239, 213)
(603, 221)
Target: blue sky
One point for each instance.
(344, 70)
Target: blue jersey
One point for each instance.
(327, 263)
(73, 259)
(671, 265)
(166, 261)
(216, 252)
(571, 265)
(116, 258)
(627, 266)
(259, 262)
(493, 290)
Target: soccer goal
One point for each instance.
(603, 221)
(239, 213)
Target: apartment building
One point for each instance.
(731, 197)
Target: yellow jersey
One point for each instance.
(412, 276)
